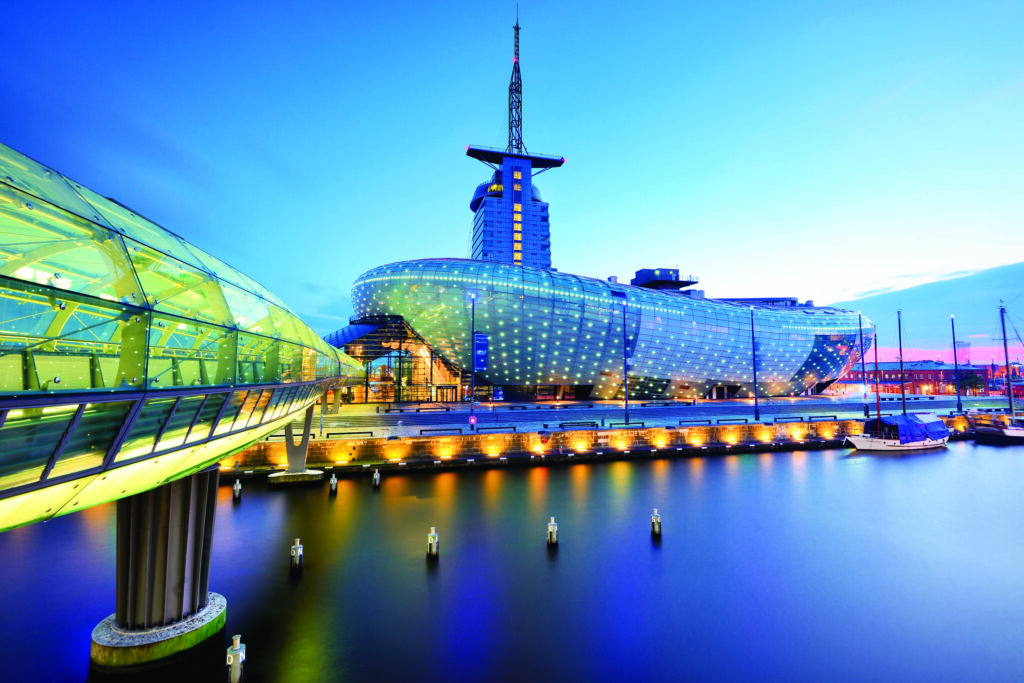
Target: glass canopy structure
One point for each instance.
(551, 329)
(129, 357)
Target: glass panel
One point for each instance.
(147, 425)
(226, 420)
(258, 359)
(27, 440)
(229, 274)
(30, 176)
(129, 223)
(89, 443)
(174, 434)
(174, 287)
(68, 343)
(246, 411)
(250, 312)
(206, 417)
(183, 353)
(290, 359)
(260, 407)
(45, 245)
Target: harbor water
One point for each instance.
(820, 565)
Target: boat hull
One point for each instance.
(863, 442)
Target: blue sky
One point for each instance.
(818, 150)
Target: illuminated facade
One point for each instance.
(554, 329)
(129, 357)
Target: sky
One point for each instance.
(817, 150)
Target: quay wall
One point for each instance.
(336, 453)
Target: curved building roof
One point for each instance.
(549, 327)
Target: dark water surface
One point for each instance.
(782, 566)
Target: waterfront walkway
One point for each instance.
(411, 419)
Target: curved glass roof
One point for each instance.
(80, 272)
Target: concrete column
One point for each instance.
(296, 453)
(163, 603)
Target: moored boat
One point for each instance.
(911, 432)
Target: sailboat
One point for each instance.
(1002, 429)
(906, 432)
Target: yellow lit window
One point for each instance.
(518, 227)
(518, 187)
(517, 207)
(518, 175)
(518, 237)
(517, 256)
(517, 217)
(517, 246)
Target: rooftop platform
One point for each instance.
(492, 155)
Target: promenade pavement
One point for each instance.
(408, 419)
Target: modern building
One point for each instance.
(553, 334)
(510, 219)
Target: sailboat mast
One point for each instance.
(878, 398)
(899, 332)
(1006, 357)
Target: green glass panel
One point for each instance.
(92, 438)
(246, 411)
(287, 326)
(230, 413)
(174, 433)
(251, 313)
(229, 274)
(177, 288)
(30, 176)
(27, 440)
(45, 245)
(183, 353)
(148, 424)
(261, 406)
(209, 413)
(258, 359)
(129, 223)
(290, 359)
(50, 343)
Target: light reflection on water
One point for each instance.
(806, 565)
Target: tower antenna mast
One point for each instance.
(515, 101)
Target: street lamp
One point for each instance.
(956, 367)
(625, 363)
(753, 355)
(472, 353)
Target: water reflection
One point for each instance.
(800, 549)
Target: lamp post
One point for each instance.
(625, 362)
(472, 353)
(956, 367)
(753, 355)
(863, 373)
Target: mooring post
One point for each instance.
(236, 660)
(433, 544)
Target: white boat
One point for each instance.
(911, 432)
(1000, 429)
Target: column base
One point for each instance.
(303, 477)
(115, 649)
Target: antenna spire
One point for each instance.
(515, 101)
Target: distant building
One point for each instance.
(919, 377)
